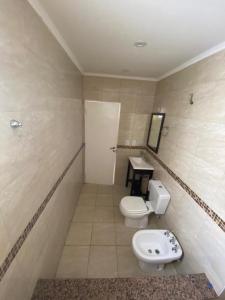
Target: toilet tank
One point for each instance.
(159, 197)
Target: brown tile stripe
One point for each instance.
(15, 249)
(131, 147)
(220, 222)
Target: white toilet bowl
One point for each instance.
(155, 247)
(135, 211)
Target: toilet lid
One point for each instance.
(134, 204)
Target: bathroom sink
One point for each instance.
(140, 163)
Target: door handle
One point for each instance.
(113, 149)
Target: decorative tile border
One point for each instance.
(131, 147)
(15, 249)
(220, 222)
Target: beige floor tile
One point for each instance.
(74, 262)
(152, 225)
(116, 199)
(155, 222)
(118, 217)
(79, 234)
(105, 189)
(122, 190)
(102, 262)
(84, 214)
(89, 188)
(170, 269)
(87, 199)
(103, 234)
(124, 234)
(127, 263)
(104, 214)
(104, 200)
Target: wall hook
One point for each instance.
(165, 130)
(15, 124)
(191, 99)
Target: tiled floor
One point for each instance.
(98, 243)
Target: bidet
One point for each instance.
(155, 247)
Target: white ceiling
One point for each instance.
(99, 34)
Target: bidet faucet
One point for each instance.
(175, 248)
(172, 240)
(167, 233)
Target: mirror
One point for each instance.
(155, 130)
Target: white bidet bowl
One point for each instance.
(155, 247)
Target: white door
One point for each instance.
(101, 135)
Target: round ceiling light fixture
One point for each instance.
(125, 71)
(140, 44)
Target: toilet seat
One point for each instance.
(133, 205)
(136, 211)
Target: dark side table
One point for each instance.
(139, 168)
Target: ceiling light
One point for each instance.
(125, 71)
(140, 44)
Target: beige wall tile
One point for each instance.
(5, 242)
(194, 150)
(42, 88)
(14, 286)
(135, 96)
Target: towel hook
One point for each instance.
(15, 124)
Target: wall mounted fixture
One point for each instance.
(140, 44)
(15, 124)
(165, 130)
(191, 99)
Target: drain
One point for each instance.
(149, 251)
(157, 251)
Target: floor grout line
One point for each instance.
(89, 254)
(118, 228)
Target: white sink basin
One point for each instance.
(140, 163)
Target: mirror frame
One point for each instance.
(160, 131)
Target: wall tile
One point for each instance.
(41, 87)
(194, 150)
(136, 98)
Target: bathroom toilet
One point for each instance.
(136, 210)
(155, 248)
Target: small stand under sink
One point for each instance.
(140, 168)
